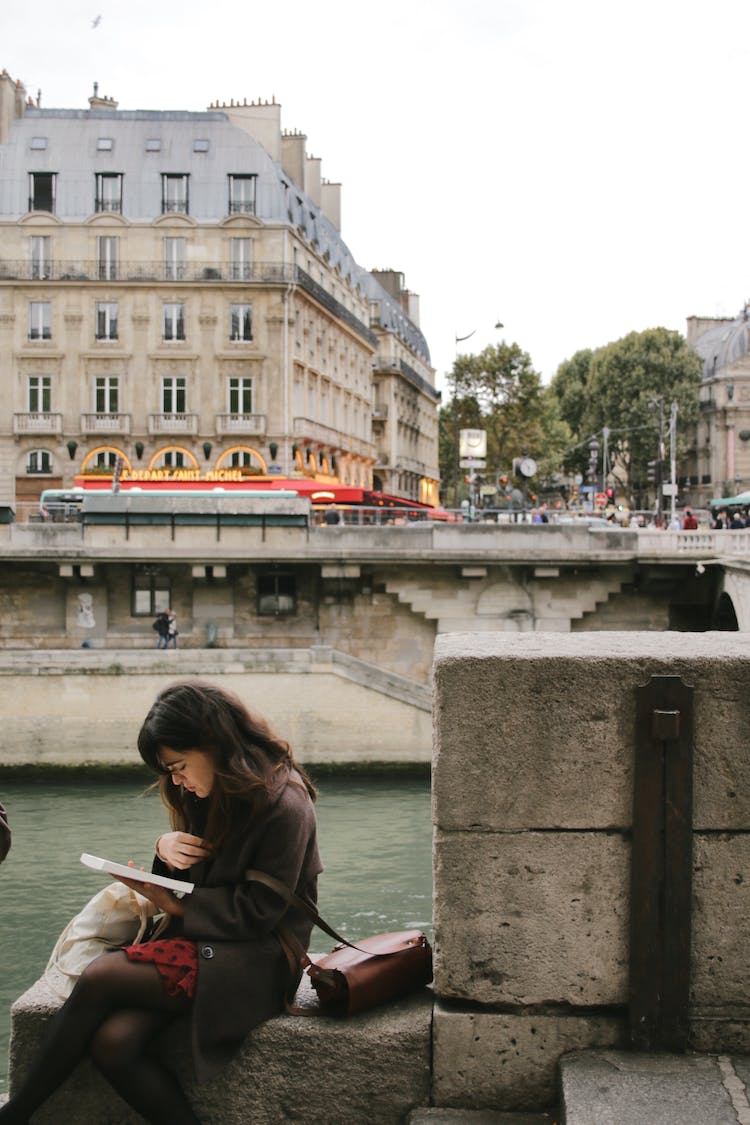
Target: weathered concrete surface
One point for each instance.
(488, 1060)
(526, 725)
(720, 972)
(529, 918)
(374, 1067)
(532, 800)
(71, 707)
(583, 881)
(617, 1088)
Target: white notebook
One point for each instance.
(98, 864)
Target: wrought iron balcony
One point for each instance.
(148, 271)
(173, 423)
(249, 425)
(37, 422)
(105, 423)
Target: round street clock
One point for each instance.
(528, 467)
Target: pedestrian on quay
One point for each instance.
(689, 523)
(237, 800)
(161, 625)
(4, 834)
(172, 633)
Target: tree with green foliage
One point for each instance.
(570, 387)
(631, 386)
(628, 387)
(499, 391)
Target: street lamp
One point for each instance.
(457, 458)
(654, 404)
(673, 454)
(456, 463)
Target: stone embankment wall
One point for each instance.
(532, 799)
(79, 707)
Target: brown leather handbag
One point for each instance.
(353, 978)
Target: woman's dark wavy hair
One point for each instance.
(252, 763)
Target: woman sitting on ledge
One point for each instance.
(237, 800)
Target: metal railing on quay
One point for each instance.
(357, 516)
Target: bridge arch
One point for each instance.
(733, 607)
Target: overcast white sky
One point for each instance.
(576, 169)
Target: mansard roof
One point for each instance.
(723, 344)
(67, 142)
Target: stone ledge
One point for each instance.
(374, 1067)
(508, 1062)
(627, 1088)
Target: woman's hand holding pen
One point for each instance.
(181, 850)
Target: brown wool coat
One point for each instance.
(242, 970)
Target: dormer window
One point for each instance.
(42, 191)
(109, 191)
(174, 193)
(242, 194)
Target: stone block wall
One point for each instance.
(72, 707)
(534, 739)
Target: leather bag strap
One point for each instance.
(291, 899)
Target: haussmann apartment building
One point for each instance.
(175, 292)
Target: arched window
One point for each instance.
(105, 460)
(39, 461)
(172, 459)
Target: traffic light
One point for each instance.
(610, 494)
(654, 471)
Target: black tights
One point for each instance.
(114, 1012)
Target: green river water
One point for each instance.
(375, 836)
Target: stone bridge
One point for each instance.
(364, 608)
(481, 577)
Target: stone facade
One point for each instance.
(175, 292)
(532, 798)
(719, 464)
(85, 707)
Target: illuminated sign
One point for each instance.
(184, 474)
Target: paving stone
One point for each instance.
(626, 1088)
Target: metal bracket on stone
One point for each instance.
(661, 866)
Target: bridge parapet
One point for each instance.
(703, 543)
(450, 542)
